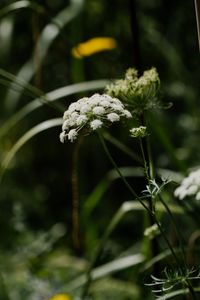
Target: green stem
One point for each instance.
(120, 173)
(167, 241)
(146, 168)
(178, 233)
(115, 220)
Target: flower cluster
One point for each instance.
(91, 114)
(190, 186)
(141, 93)
(138, 132)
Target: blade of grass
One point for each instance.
(19, 5)
(6, 35)
(107, 269)
(197, 12)
(47, 36)
(26, 137)
(177, 293)
(51, 97)
(92, 201)
(122, 147)
(30, 89)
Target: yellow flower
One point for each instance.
(61, 297)
(93, 46)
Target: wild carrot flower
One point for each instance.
(91, 114)
(141, 93)
(190, 186)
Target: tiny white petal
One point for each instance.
(95, 124)
(72, 135)
(118, 107)
(192, 190)
(98, 110)
(66, 115)
(198, 196)
(85, 108)
(127, 113)
(113, 117)
(105, 103)
(73, 107)
(62, 137)
(81, 120)
(66, 125)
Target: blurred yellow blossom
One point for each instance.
(93, 46)
(61, 297)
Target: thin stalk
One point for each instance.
(167, 241)
(178, 233)
(150, 160)
(115, 220)
(75, 199)
(152, 214)
(120, 173)
(122, 147)
(187, 281)
(146, 168)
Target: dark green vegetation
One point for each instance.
(46, 248)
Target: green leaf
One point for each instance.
(49, 98)
(19, 5)
(92, 201)
(47, 36)
(107, 269)
(26, 137)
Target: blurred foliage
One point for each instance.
(37, 255)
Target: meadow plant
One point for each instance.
(133, 98)
(150, 239)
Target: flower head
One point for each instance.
(91, 114)
(138, 132)
(141, 93)
(190, 186)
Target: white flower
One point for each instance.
(127, 113)
(81, 120)
(113, 117)
(138, 132)
(98, 110)
(66, 125)
(95, 100)
(91, 114)
(190, 186)
(105, 103)
(72, 135)
(118, 107)
(96, 124)
(63, 136)
(85, 108)
(73, 107)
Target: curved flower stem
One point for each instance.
(146, 168)
(115, 219)
(178, 233)
(75, 198)
(132, 191)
